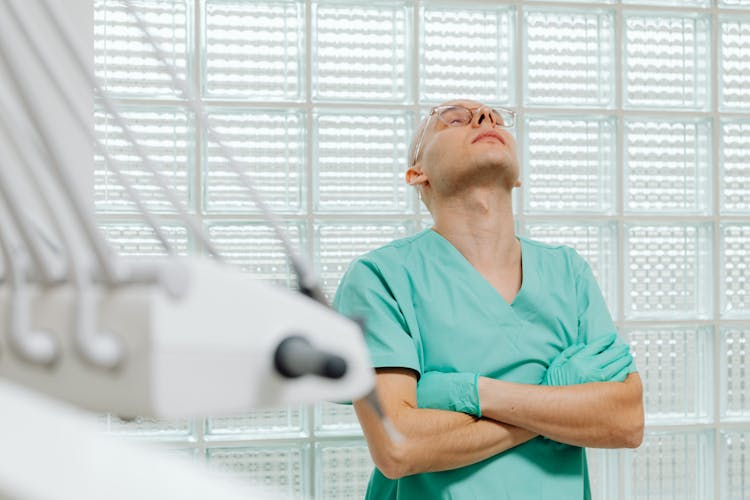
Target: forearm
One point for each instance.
(435, 440)
(599, 415)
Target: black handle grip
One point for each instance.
(296, 356)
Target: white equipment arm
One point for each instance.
(165, 338)
(51, 451)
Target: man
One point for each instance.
(496, 357)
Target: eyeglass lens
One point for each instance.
(457, 116)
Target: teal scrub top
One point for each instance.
(425, 307)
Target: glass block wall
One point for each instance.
(634, 136)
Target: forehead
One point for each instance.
(462, 102)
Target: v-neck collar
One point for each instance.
(481, 279)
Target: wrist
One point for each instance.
(484, 389)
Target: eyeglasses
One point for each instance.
(455, 115)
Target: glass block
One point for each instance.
(734, 160)
(124, 61)
(269, 148)
(342, 470)
(734, 59)
(338, 244)
(602, 467)
(667, 166)
(735, 3)
(668, 271)
(256, 249)
(569, 58)
(596, 242)
(165, 134)
(359, 162)
(666, 61)
(735, 270)
(360, 51)
(332, 418)
(150, 428)
(467, 52)
(138, 239)
(736, 465)
(675, 365)
(569, 164)
(254, 50)
(735, 373)
(261, 424)
(670, 465)
(677, 3)
(280, 469)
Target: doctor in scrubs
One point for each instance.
(495, 354)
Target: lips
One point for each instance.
(489, 134)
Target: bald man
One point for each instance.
(496, 356)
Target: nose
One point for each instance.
(483, 115)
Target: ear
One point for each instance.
(415, 177)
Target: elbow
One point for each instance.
(631, 431)
(392, 463)
(634, 436)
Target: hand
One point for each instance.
(449, 391)
(600, 361)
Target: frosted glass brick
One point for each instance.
(667, 166)
(338, 244)
(256, 249)
(124, 61)
(342, 469)
(734, 3)
(735, 270)
(596, 242)
(269, 148)
(165, 134)
(137, 239)
(675, 366)
(735, 373)
(734, 59)
(150, 428)
(736, 467)
(279, 469)
(254, 50)
(734, 160)
(569, 164)
(674, 466)
(360, 162)
(261, 424)
(467, 53)
(667, 61)
(602, 467)
(332, 418)
(360, 51)
(668, 271)
(568, 58)
(677, 3)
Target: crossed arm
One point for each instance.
(601, 414)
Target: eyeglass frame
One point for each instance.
(472, 112)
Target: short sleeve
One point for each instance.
(594, 319)
(364, 294)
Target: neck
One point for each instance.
(480, 225)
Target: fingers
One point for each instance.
(621, 375)
(599, 345)
(564, 356)
(615, 352)
(617, 371)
